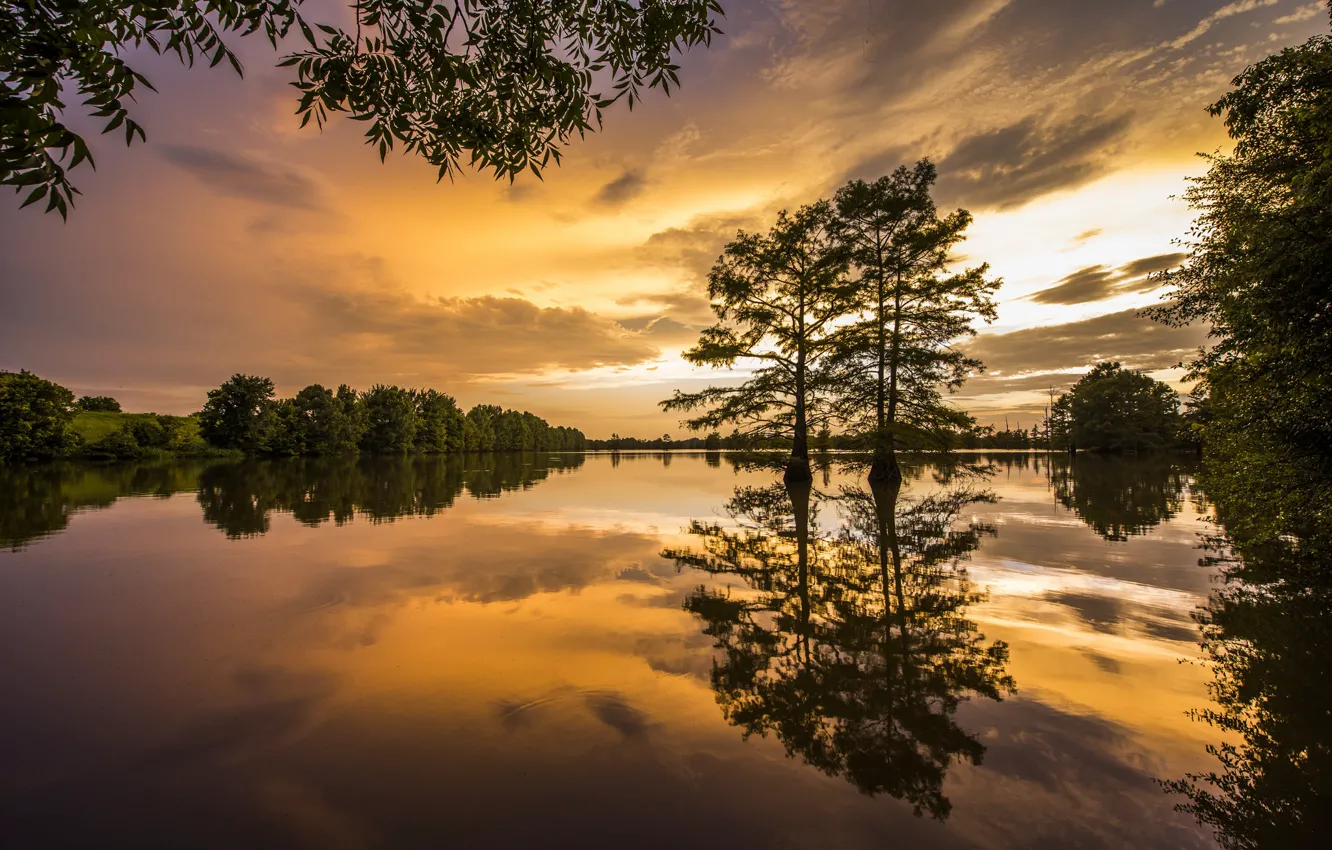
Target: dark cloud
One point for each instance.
(469, 336)
(629, 185)
(244, 177)
(1010, 166)
(1135, 341)
(1150, 265)
(1096, 283)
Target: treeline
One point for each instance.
(244, 414)
(41, 420)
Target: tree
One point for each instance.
(240, 414)
(1114, 409)
(36, 418)
(502, 84)
(390, 420)
(1260, 269)
(439, 419)
(713, 442)
(896, 358)
(98, 404)
(776, 297)
(479, 429)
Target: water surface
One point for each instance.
(603, 651)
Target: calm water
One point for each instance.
(635, 651)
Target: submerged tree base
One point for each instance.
(798, 471)
(884, 470)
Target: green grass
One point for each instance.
(93, 426)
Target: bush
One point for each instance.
(98, 404)
(118, 445)
(36, 418)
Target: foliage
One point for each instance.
(240, 415)
(498, 83)
(1260, 270)
(893, 362)
(390, 420)
(440, 422)
(1115, 409)
(98, 404)
(776, 297)
(36, 418)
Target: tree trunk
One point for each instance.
(797, 468)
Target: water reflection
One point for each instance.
(1267, 634)
(239, 498)
(850, 644)
(1119, 497)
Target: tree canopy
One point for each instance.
(501, 85)
(896, 359)
(1116, 409)
(1260, 269)
(776, 296)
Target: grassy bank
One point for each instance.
(108, 436)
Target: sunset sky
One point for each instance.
(234, 242)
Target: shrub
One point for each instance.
(36, 418)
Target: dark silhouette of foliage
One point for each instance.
(895, 360)
(98, 404)
(498, 84)
(35, 418)
(852, 648)
(776, 297)
(1260, 270)
(1122, 497)
(1115, 409)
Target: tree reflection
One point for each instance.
(851, 646)
(1267, 634)
(240, 498)
(1119, 497)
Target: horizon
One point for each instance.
(235, 243)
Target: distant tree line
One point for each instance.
(244, 414)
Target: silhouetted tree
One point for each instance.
(1260, 273)
(776, 297)
(498, 84)
(895, 361)
(1115, 409)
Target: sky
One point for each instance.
(234, 241)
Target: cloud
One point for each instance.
(1010, 166)
(1135, 341)
(246, 177)
(629, 185)
(1227, 11)
(486, 335)
(1099, 282)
